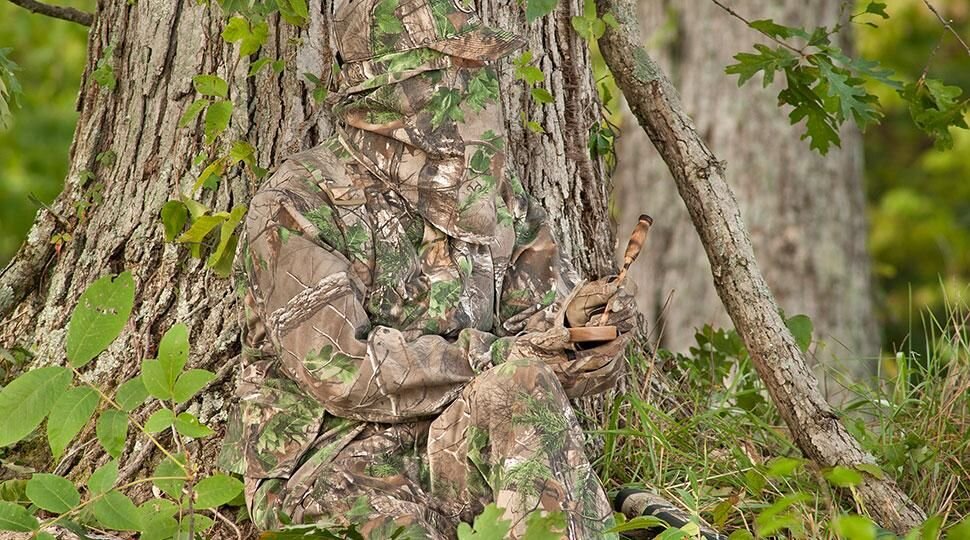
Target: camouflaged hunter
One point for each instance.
(406, 358)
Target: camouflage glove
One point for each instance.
(592, 298)
(593, 370)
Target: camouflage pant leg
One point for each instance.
(512, 438)
(374, 482)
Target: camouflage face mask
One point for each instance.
(418, 107)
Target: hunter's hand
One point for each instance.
(591, 300)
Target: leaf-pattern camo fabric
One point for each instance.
(405, 360)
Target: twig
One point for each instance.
(947, 24)
(58, 12)
(741, 18)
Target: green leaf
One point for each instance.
(157, 515)
(103, 478)
(193, 112)
(852, 527)
(488, 525)
(783, 467)
(211, 85)
(216, 490)
(70, 413)
(853, 99)
(801, 327)
(935, 108)
(250, 38)
(173, 352)
(99, 317)
(112, 430)
(27, 399)
(174, 216)
(14, 517)
(770, 28)
(116, 512)
(160, 420)
(535, 9)
(258, 65)
(169, 468)
(191, 382)
(155, 380)
(766, 59)
(541, 95)
(877, 8)
(52, 493)
(548, 527)
(44, 535)
(217, 119)
(640, 523)
(530, 74)
(226, 233)
(843, 476)
(188, 425)
(131, 394)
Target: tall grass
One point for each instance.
(731, 461)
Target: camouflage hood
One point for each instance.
(416, 102)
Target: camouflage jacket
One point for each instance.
(390, 265)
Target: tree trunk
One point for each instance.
(805, 212)
(701, 183)
(157, 48)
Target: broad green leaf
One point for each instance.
(258, 65)
(188, 425)
(53, 493)
(169, 468)
(174, 217)
(116, 512)
(770, 28)
(935, 108)
(801, 327)
(193, 111)
(852, 527)
(158, 518)
(131, 394)
(44, 535)
(191, 382)
(535, 9)
(173, 351)
(14, 517)
(196, 209)
(242, 151)
(154, 379)
(216, 490)
(877, 8)
(783, 467)
(541, 95)
(488, 525)
(872, 469)
(217, 119)
(14, 491)
(548, 527)
(211, 85)
(160, 420)
(103, 478)
(200, 228)
(843, 476)
(27, 399)
(211, 172)
(70, 413)
(99, 317)
(223, 266)
(112, 430)
(855, 102)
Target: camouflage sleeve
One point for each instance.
(538, 277)
(310, 301)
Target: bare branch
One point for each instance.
(58, 12)
(948, 24)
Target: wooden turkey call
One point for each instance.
(603, 332)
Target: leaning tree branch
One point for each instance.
(58, 12)
(700, 179)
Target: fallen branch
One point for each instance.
(749, 302)
(58, 12)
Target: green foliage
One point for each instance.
(102, 312)
(10, 90)
(488, 525)
(104, 74)
(536, 9)
(825, 87)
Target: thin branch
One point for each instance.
(741, 18)
(58, 12)
(947, 23)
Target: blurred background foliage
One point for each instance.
(919, 197)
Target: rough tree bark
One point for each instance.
(700, 180)
(157, 48)
(805, 212)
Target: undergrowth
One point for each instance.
(732, 463)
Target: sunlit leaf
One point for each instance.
(70, 413)
(26, 400)
(99, 317)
